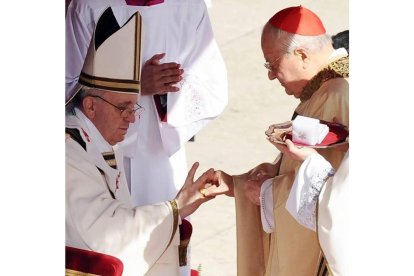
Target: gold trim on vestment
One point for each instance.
(109, 157)
(111, 163)
(137, 65)
(336, 69)
(109, 84)
(323, 268)
(174, 207)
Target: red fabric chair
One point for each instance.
(80, 262)
(194, 272)
(85, 262)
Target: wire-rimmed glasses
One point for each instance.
(125, 111)
(270, 66)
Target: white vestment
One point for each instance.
(100, 215)
(333, 220)
(156, 165)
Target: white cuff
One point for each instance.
(303, 196)
(266, 206)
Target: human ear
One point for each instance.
(89, 107)
(303, 55)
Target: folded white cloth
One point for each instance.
(308, 131)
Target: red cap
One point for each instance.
(298, 20)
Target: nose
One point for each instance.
(271, 75)
(130, 118)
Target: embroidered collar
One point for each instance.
(91, 132)
(336, 69)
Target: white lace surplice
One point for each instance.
(312, 175)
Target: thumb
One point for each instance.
(289, 144)
(155, 60)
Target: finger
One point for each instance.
(206, 178)
(215, 181)
(170, 75)
(191, 173)
(155, 59)
(166, 89)
(215, 190)
(171, 79)
(291, 146)
(255, 175)
(171, 88)
(173, 66)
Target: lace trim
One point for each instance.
(193, 99)
(308, 199)
(269, 225)
(336, 69)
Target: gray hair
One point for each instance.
(76, 102)
(289, 42)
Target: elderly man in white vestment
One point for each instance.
(184, 85)
(178, 33)
(100, 215)
(299, 54)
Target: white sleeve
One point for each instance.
(266, 206)
(303, 196)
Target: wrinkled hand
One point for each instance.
(262, 172)
(252, 190)
(160, 78)
(294, 152)
(221, 185)
(255, 179)
(189, 197)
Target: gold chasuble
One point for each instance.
(291, 250)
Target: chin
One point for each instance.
(117, 139)
(121, 138)
(288, 92)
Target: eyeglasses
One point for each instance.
(125, 112)
(270, 67)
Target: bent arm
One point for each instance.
(96, 221)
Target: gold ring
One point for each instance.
(202, 191)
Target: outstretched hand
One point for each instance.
(160, 78)
(189, 198)
(263, 171)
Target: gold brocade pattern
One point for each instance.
(174, 206)
(336, 69)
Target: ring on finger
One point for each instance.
(202, 191)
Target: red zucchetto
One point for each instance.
(298, 20)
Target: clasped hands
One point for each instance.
(216, 182)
